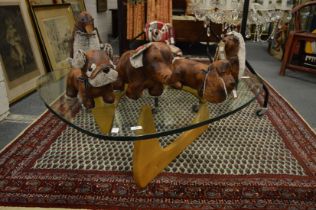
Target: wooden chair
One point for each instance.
(293, 42)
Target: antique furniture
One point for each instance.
(295, 39)
(188, 29)
(129, 120)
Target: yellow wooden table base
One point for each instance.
(149, 158)
(104, 113)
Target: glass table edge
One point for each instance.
(152, 135)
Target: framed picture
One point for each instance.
(20, 56)
(55, 24)
(38, 2)
(77, 6)
(102, 5)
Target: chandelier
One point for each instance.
(229, 13)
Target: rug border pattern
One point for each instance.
(22, 186)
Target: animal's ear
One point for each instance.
(223, 67)
(136, 60)
(109, 50)
(79, 59)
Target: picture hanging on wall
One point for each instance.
(102, 5)
(77, 6)
(44, 2)
(20, 56)
(55, 24)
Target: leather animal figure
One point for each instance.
(216, 81)
(213, 82)
(235, 46)
(157, 31)
(92, 76)
(148, 67)
(86, 37)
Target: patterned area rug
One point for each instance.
(242, 161)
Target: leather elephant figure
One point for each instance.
(92, 76)
(148, 67)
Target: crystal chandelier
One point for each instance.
(229, 13)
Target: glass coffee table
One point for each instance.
(146, 119)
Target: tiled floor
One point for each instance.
(21, 115)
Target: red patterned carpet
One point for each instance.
(280, 172)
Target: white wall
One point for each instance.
(102, 20)
(4, 101)
(112, 4)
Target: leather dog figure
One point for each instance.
(148, 67)
(213, 82)
(92, 76)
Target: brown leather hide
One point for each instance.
(231, 51)
(192, 73)
(87, 93)
(157, 61)
(231, 45)
(234, 70)
(225, 70)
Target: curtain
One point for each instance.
(135, 19)
(159, 10)
(155, 9)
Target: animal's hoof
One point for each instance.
(70, 98)
(132, 96)
(155, 92)
(195, 108)
(260, 112)
(89, 105)
(109, 99)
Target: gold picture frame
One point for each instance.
(77, 6)
(20, 57)
(55, 24)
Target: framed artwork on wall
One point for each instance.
(20, 56)
(102, 5)
(40, 2)
(55, 24)
(77, 6)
